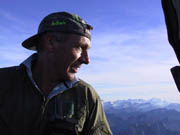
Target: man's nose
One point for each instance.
(85, 57)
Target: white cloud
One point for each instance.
(13, 55)
(132, 65)
(13, 31)
(8, 16)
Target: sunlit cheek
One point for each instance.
(78, 54)
(75, 56)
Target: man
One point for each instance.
(43, 96)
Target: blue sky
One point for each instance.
(130, 54)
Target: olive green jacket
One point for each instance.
(24, 111)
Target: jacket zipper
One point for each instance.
(45, 102)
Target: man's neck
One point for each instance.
(44, 76)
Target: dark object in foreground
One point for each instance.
(176, 75)
(62, 127)
(171, 10)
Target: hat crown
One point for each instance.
(60, 18)
(59, 22)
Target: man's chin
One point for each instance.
(71, 76)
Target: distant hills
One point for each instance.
(141, 117)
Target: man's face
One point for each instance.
(70, 55)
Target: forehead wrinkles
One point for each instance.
(85, 42)
(78, 40)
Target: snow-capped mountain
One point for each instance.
(140, 105)
(143, 117)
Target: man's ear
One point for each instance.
(50, 42)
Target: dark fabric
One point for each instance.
(23, 110)
(172, 24)
(171, 9)
(176, 75)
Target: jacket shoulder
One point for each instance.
(6, 76)
(89, 90)
(7, 71)
(85, 84)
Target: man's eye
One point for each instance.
(79, 48)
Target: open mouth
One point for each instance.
(74, 70)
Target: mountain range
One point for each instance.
(143, 117)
